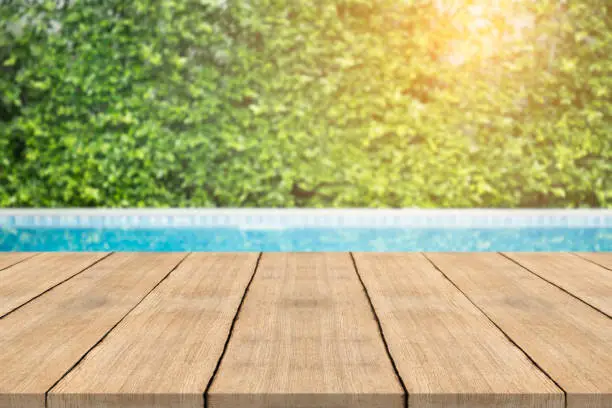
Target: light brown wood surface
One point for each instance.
(306, 337)
(164, 353)
(446, 351)
(583, 279)
(601, 258)
(11, 258)
(24, 281)
(42, 341)
(569, 340)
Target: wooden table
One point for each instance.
(305, 330)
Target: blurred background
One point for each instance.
(305, 103)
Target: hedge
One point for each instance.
(318, 103)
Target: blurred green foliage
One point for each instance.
(320, 103)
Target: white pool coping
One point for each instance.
(268, 218)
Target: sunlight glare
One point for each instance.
(478, 29)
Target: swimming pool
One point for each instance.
(306, 230)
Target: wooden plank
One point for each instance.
(306, 337)
(26, 280)
(568, 339)
(41, 341)
(446, 351)
(581, 278)
(11, 258)
(166, 350)
(601, 258)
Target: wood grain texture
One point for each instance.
(583, 279)
(306, 337)
(24, 281)
(601, 258)
(164, 353)
(568, 339)
(41, 341)
(11, 258)
(446, 351)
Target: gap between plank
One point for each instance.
(589, 260)
(111, 329)
(555, 285)
(54, 286)
(18, 262)
(500, 329)
(231, 330)
(380, 330)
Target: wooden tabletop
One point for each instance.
(225, 330)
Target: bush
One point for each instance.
(320, 103)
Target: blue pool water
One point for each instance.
(306, 239)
